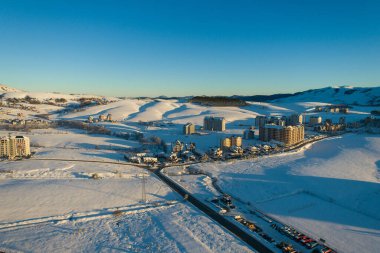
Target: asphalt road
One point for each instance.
(229, 225)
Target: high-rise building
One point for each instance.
(249, 134)
(260, 121)
(231, 141)
(288, 135)
(236, 141)
(14, 146)
(214, 123)
(277, 121)
(295, 119)
(4, 147)
(225, 143)
(188, 128)
(315, 120)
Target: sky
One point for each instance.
(181, 48)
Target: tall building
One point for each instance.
(277, 121)
(295, 119)
(214, 123)
(236, 141)
(249, 134)
(14, 146)
(231, 141)
(188, 128)
(260, 121)
(225, 143)
(315, 120)
(4, 147)
(288, 135)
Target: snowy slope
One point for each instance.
(329, 191)
(180, 112)
(55, 206)
(46, 96)
(337, 95)
(5, 89)
(119, 110)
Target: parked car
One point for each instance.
(267, 237)
(312, 244)
(327, 250)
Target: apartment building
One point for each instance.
(315, 120)
(288, 135)
(4, 147)
(214, 123)
(260, 121)
(14, 146)
(188, 128)
(249, 134)
(228, 142)
(295, 119)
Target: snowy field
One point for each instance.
(329, 190)
(59, 206)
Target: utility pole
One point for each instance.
(143, 192)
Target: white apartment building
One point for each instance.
(14, 146)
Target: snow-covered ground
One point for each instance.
(173, 228)
(329, 190)
(59, 206)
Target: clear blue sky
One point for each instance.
(150, 48)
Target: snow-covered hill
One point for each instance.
(338, 95)
(47, 96)
(180, 111)
(5, 89)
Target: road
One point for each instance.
(229, 225)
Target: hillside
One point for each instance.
(337, 95)
(180, 110)
(5, 89)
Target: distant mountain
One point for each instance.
(337, 95)
(334, 95)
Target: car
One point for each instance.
(215, 201)
(267, 237)
(300, 237)
(308, 240)
(311, 244)
(327, 250)
(274, 225)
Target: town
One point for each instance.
(268, 135)
(189, 126)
